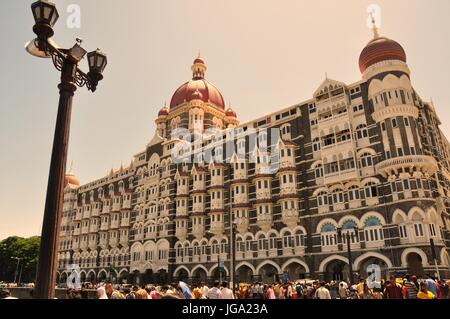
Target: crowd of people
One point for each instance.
(409, 287)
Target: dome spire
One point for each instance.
(376, 35)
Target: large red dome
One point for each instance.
(208, 93)
(378, 50)
(198, 88)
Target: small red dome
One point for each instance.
(199, 60)
(71, 179)
(230, 113)
(378, 50)
(163, 112)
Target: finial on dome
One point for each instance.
(376, 35)
(198, 68)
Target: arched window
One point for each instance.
(316, 144)
(338, 196)
(366, 160)
(328, 235)
(299, 238)
(371, 190)
(319, 171)
(353, 193)
(373, 229)
(349, 228)
(322, 199)
(361, 131)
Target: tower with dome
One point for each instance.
(366, 158)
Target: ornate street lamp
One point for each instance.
(348, 239)
(66, 61)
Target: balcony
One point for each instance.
(92, 244)
(78, 215)
(116, 207)
(216, 181)
(126, 204)
(393, 166)
(124, 240)
(242, 224)
(340, 176)
(217, 227)
(263, 193)
(75, 245)
(113, 242)
(290, 217)
(216, 204)
(288, 189)
(85, 229)
(103, 243)
(199, 185)
(84, 245)
(114, 224)
(104, 226)
(86, 213)
(125, 222)
(181, 232)
(77, 231)
(198, 230)
(183, 190)
(96, 210)
(264, 221)
(106, 209)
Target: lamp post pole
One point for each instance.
(348, 238)
(232, 233)
(66, 61)
(17, 268)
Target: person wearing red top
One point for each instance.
(392, 290)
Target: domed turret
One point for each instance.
(230, 112)
(380, 49)
(163, 112)
(71, 179)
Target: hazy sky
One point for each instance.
(263, 55)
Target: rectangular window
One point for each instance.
(394, 122)
(418, 230)
(406, 121)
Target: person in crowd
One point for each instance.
(112, 293)
(204, 289)
(424, 292)
(141, 294)
(214, 292)
(333, 287)
(226, 293)
(6, 294)
(270, 293)
(367, 293)
(360, 286)
(322, 292)
(101, 293)
(196, 292)
(393, 290)
(343, 290)
(410, 288)
(432, 285)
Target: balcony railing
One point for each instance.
(393, 166)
